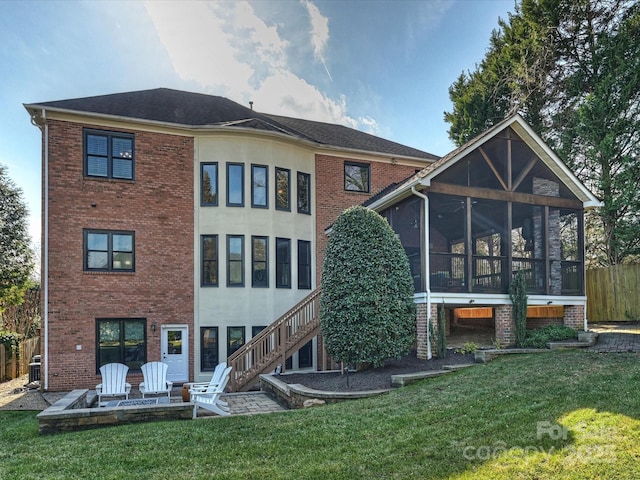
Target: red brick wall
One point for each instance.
(158, 207)
(505, 328)
(332, 199)
(574, 316)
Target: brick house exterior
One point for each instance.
(97, 315)
(177, 226)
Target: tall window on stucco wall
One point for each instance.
(208, 348)
(235, 260)
(283, 263)
(209, 184)
(283, 194)
(304, 265)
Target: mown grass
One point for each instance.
(482, 422)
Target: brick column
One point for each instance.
(574, 316)
(505, 329)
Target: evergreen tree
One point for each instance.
(367, 312)
(16, 261)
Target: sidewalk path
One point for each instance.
(616, 337)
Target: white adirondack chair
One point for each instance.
(208, 395)
(155, 379)
(114, 382)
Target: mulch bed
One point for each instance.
(373, 378)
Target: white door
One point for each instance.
(175, 352)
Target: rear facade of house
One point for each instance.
(177, 226)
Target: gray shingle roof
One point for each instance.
(196, 109)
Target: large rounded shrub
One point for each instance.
(367, 311)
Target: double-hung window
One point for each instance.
(209, 260)
(235, 185)
(304, 193)
(259, 261)
(259, 186)
(235, 339)
(209, 184)
(109, 251)
(208, 348)
(356, 177)
(121, 340)
(283, 194)
(235, 260)
(304, 265)
(108, 154)
(283, 263)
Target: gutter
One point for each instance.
(427, 279)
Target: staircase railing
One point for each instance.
(273, 345)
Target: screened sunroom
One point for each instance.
(501, 203)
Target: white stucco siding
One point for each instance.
(224, 306)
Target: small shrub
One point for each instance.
(497, 344)
(468, 347)
(551, 333)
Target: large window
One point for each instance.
(208, 348)
(235, 260)
(304, 193)
(121, 341)
(210, 260)
(209, 184)
(107, 251)
(235, 339)
(259, 262)
(283, 263)
(259, 186)
(283, 194)
(304, 265)
(235, 184)
(108, 154)
(356, 177)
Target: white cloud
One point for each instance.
(228, 50)
(319, 33)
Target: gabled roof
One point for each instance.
(187, 109)
(423, 178)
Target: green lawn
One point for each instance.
(566, 414)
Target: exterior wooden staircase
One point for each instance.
(273, 345)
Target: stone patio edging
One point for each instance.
(294, 395)
(73, 412)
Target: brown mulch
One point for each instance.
(373, 378)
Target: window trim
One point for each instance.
(110, 233)
(202, 350)
(288, 206)
(254, 261)
(266, 186)
(203, 203)
(307, 245)
(203, 283)
(279, 263)
(121, 339)
(359, 165)
(307, 177)
(241, 165)
(110, 135)
(242, 283)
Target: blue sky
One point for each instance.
(384, 67)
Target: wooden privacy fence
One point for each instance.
(613, 293)
(12, 365)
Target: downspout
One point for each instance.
(427, 279)
(45, 248)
